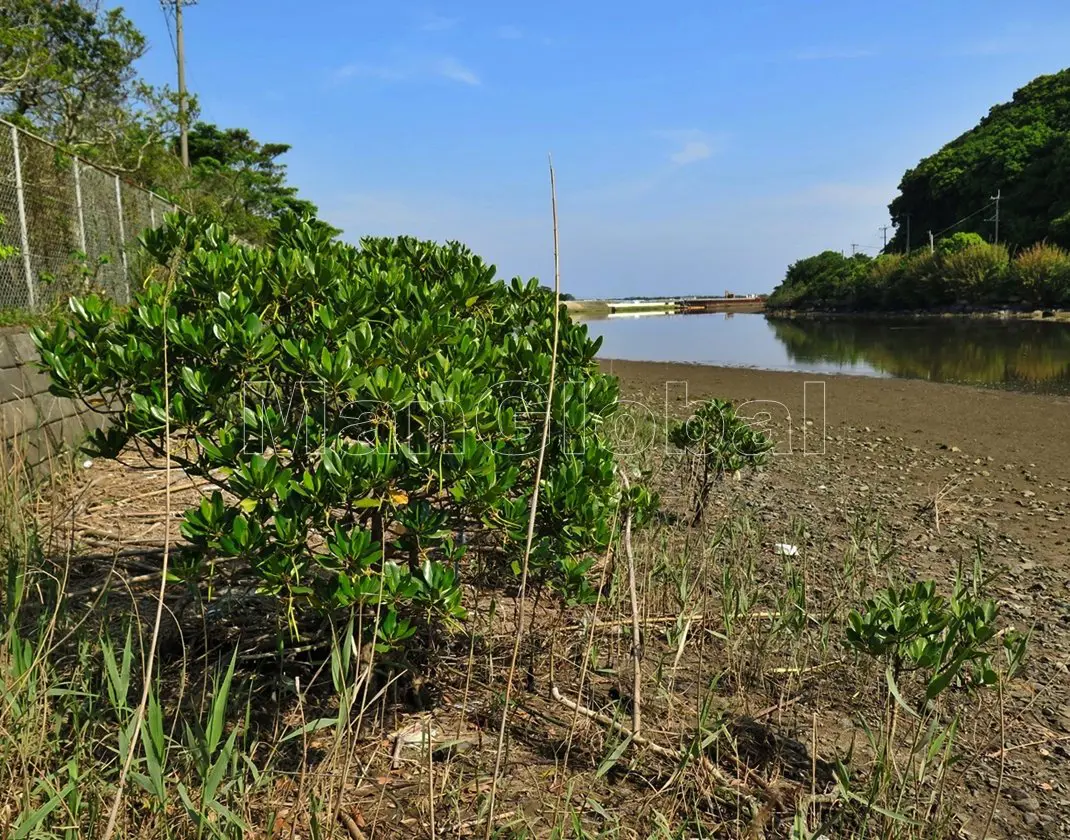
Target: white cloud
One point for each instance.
(509, 33)
(402, 70)
(691, 145)
(431, 22)
(450, 68)
(833, 54)
(692, 151)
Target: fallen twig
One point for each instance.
(694, 618)
(467, 826)
(100, 587)
(1055, 739)
(736, 785)
(351, 826)
(193, 485)
(801, 671)
(777, 707)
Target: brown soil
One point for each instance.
(997, 466)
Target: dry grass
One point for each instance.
(756, 721)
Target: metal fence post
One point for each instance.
(122, 236)
(32, 298)
(78, 203)
(152, 213)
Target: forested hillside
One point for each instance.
(1021, 149)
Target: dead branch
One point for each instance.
(735, 785)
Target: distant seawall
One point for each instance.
(690, 305)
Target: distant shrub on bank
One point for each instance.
(975, 273)
(1041, 274)
(829, 278)
(962, 269)
(959, 242)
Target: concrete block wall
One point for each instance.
(34, 424)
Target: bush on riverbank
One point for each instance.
(365, 415)
(1043, 273)
(963, 270)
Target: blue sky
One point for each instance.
(699, 146)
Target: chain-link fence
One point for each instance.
(66, 224)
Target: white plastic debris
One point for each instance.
(786, 549)
(87, 463)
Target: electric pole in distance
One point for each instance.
(180, 54)
(995, 218)
(907, 215)
(884, 230)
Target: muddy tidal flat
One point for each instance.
(947, 472)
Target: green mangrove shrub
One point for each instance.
(717, 441)
(937, 651)
(371, 416)
(914, 629)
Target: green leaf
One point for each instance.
(35, 817)
(310, 727)
(610, 761)
(894, 689)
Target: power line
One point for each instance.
(164, 6)
(960, 221)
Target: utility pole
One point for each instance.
(932, 247)
(908, 232)
(995, 218)
(884, 230)
(183, 115)
(853, 248)
(180, 54)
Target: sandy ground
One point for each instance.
(997, 466)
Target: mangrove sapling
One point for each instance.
(718, 442)
(357, 409)
(940, 642)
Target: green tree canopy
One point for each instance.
(1022, 148)
(241, 181)
(67, 72)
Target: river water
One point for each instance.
(1015, 354)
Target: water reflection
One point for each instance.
(1027, 355)
(1030, 355)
